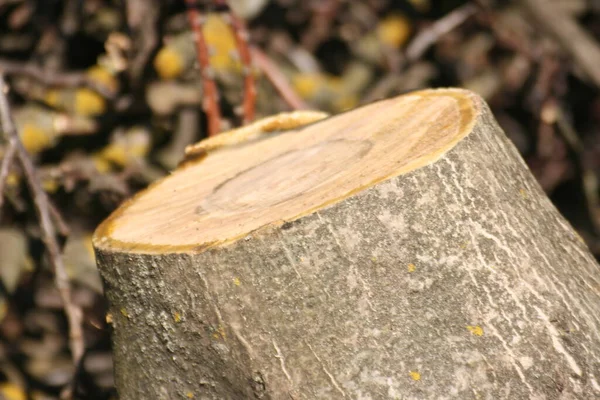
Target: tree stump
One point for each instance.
(400, 250)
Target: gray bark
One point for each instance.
(456, 280)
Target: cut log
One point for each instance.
(399, 250)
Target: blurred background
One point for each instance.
(106, 94)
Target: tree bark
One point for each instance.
(399, 250)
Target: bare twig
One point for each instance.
(278, 79)
(210, 103)
(431, 34)
(142, 17)
(62, 226)
(417, 47)
(568, 132)
(506, 37)
(574, 40)
(9, 155)
(73, 312)
(241, 38)
(53, 78)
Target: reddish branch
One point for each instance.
(210, 102)
(241, 38)
(43, 208)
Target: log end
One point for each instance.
(250, 181)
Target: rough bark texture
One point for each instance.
(456, 280)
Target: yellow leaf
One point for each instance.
(221, 42)
(36, 139)
(103, 76)
(12, 179)
(50, 185)
(53, 98)
(88, 102)
(169, 63)
(124, 148)
(28, 264)
(102, 165)
(412, 267)
(307, 85)
(345, 102)
(115, 153)
(10, 391)
(394, 30)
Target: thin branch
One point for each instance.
(210, 103)
(417, 47)
(62, 226)
(241, 39)
(142, 18)
(431, 34)
(278, 79)
(506, 37)
(73, 312)
(7, 160)
(53, 78)
(573, 39)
